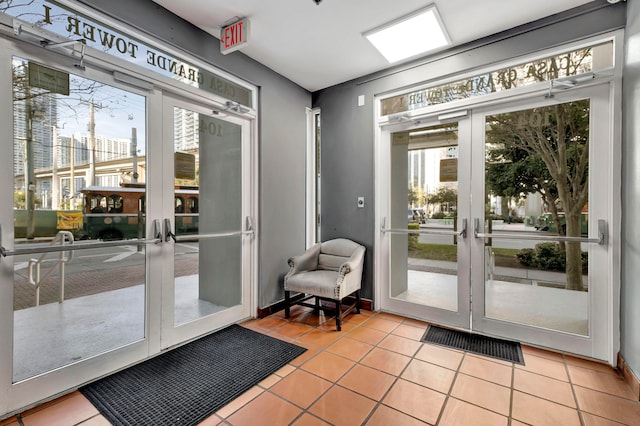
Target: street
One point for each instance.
(92, 271)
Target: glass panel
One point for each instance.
(574, 63)
(537, 170)
(425, 175)
(75, 148)
(208, 200)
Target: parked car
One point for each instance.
(416, 216)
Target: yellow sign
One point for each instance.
(68, 220)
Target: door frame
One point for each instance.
(17, 396)
(386, 208)
(605, 343)
(598, 343)
(170, 334)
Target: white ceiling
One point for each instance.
(318, 46)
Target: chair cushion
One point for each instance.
(330, 262)
(320, 283)
(334, 253)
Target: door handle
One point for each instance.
(248, 226)
(157, 231)
(168, 234)
(463, 231)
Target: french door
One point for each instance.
(126, 222)
(496, 221)
(208, 227)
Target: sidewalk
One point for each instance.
(533, 275)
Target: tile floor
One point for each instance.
(376, 372)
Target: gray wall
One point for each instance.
(282, 129)
(348, 130)
(630, 294)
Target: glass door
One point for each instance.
(425, 226)
(125, 223)
(210, 225)
(497, 223)
(77, 243)
(541, 233)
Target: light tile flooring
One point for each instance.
(377, 372)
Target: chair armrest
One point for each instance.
(354, 262)
(308, 261)
(350, 273)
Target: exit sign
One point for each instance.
(234, 36)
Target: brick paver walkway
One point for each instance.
(88, 282)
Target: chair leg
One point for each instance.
(338, 315)
(316, 310)
(287, 304)
(357, 301)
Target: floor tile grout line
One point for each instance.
(510, 419)
(448, 395)
(397, 377)
(573, 391)
(334, 383)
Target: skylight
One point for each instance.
(411, 35)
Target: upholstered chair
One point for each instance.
(329, 272)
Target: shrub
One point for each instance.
(546, 256)
(438, 215)
(527, 257)
(550, 257)
(413, 238)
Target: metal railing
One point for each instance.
(61, 239)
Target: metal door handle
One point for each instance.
(168, 233)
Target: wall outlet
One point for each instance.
(360, 202)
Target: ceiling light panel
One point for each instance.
(411, 35)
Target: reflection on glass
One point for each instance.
(75, 148)
(208, 202)
(573, 63)
(424, 266)
(537, 167)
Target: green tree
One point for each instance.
(512, 173)
(445, 195)
(557, 137)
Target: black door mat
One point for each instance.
(186, 385)
(505, 350)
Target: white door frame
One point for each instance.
(171, 334)
(17, 396)
(598, 344)
(14, 396)
(386, 208)
(603, 342)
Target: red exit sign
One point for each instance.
(234, 36)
